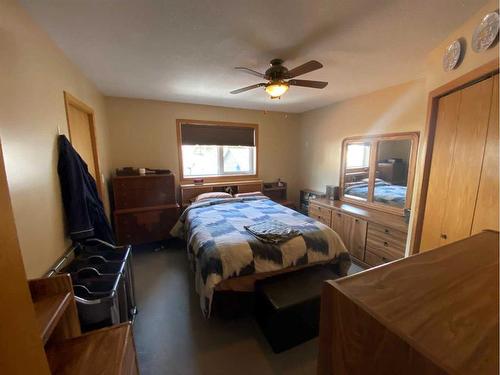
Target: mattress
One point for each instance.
(220, 248)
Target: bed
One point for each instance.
(393, 195)
(221, 250)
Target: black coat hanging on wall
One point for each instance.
(83, 207)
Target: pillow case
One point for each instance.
(252, 194)
(212, 195)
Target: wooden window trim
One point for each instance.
(484, 71)
(374, 140)
(223, 178)
(71, 100)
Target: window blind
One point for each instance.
(217, 135)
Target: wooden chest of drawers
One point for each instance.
(371, 237)
(432, 313)
(143, 191)
(136, 226)
(145, 208)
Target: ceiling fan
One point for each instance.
(277, 75)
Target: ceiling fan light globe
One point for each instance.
(275, 90)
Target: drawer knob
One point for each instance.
(386, 243)
(444, 236)
(356, 220)
(386, 230)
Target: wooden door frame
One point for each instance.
(484, 71)
(73, 101)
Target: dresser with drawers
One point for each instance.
(145, 208)
(371, 236)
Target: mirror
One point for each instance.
(357, 170)
(391, 176)
(378, 170)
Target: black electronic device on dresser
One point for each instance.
(305, 196)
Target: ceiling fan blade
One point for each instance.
(243, 89)
(304, 68)
(306, 83)
(250, 71)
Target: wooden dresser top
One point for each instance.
(368, 214)
(444, 302)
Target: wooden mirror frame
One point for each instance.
(374, 140)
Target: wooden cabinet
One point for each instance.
(104, 351)
(432, 313)
(371, 237)
(109, 350)
(386, 243)
(145, 208)
(144, 225)
(321, 214)
(463, 180)
(143, 191)
(352, 231)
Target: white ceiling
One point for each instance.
(185, 50)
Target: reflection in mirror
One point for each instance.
(392, 172)
(357, 169)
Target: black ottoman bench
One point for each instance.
(287, 306)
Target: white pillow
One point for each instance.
(212, 195)
(253, 194)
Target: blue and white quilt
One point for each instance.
(394, 195)
(219, 246)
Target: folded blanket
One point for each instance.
(272, 231)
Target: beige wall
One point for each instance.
(395, 109)
(434, 74)
(34, 74)
(143, 134)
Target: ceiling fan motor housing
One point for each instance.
(277, 71)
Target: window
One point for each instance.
(214, 150)
(207, 160)
(358, 156)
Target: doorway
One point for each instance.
(81, 128)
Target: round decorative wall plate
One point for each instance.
(485, 33)
(451, 56)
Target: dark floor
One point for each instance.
(172, 337)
